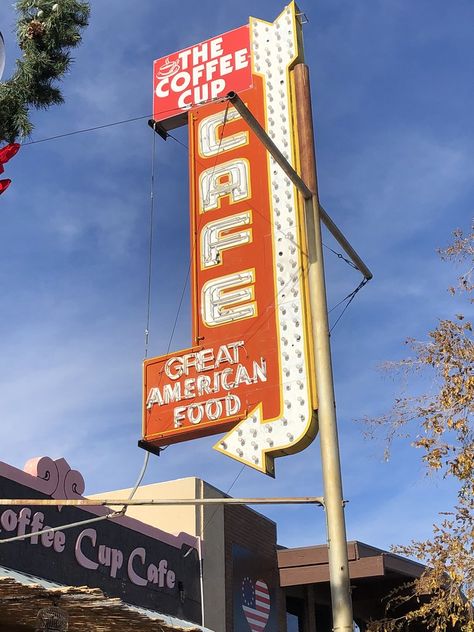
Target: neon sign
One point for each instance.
(250, 371)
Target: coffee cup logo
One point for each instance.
(169, 68)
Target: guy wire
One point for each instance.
(193, 243)
(150, 245)
(351, 297)
(148, 306)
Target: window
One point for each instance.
(294, 614)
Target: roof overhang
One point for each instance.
(88, 608)
(309, 565)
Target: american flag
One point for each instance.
(255, 604)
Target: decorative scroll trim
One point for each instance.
(60, 481)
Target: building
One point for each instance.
(241, 558)
(103, 570)
(201, 567)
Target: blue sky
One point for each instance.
(392, 95)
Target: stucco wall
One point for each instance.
(205, 521)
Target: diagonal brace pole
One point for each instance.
(305, 191)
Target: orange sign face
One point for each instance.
(234, 365)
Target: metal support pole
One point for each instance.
(128, 502)
(331, 467)
(333, 500)
(201, 578)
(299, 182)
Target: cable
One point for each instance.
(178, 311)
(148, 308)
(341, 301)
(178, 141)
(341, 256)
(249, 334)
(219, 147)
(140, 478)
(82, 131)
(351, 297)
(193, 245)
(150, 246)
(122, 511)
(114, 514)
(235, 479)
(253, 208)
(122, 122)
(226, 494)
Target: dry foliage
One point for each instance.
(439, 423)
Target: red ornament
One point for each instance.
(4, 184)
(6, 153)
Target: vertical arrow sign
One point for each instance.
(257, 440)
(250, 369)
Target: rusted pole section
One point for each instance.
(330, 460)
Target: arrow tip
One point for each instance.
(235, 444)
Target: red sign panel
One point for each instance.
(201, 73)
(234, 366)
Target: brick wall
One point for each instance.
(252, 531)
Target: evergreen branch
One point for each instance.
(46, 30)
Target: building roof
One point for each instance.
(23, 595)
(309, 565)
(374, 574)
